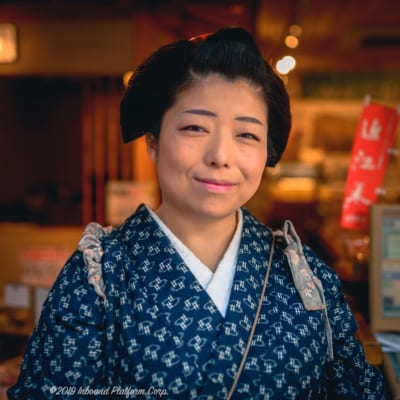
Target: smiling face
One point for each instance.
(212, 149)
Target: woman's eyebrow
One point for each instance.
(249, 119)
(199, 111)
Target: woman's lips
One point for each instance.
(218, 186)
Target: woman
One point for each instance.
(197, 299)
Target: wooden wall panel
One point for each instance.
(104, 157)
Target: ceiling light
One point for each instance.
(291, 41)
(295, 30)
(285, 65)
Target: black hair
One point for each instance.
(230, 52)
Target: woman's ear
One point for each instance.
(151, 142)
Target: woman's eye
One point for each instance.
(193, 128)
(251, 136)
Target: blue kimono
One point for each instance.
(146, 328)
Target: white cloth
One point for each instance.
(218, 285)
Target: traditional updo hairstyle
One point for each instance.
(230, 52)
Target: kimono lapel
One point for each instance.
(174, 292)
(207, 347)
(246, 290)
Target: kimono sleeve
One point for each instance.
(348, 375)
(66, 350)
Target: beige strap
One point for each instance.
(306, 282)
(90, 246)
(253, 328)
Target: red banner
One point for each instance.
(370, 156)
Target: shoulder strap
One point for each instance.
(255, 321)
(306, 282)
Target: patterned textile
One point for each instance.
(157, 334)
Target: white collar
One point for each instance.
(218, 285)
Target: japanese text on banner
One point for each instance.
(370, 156)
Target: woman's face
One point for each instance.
(212, 148)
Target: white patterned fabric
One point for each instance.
(156, 333)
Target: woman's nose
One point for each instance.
(219, 151)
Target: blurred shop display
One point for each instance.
(293, 195)
(32, 257)
(9, 371)
(123, 197)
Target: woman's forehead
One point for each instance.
(214, 94)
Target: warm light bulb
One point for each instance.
(291, 41)
(285, 64)
(295, 30)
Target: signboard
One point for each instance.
(370, 156)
